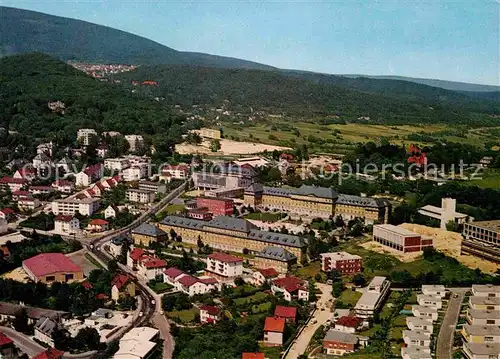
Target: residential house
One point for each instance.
(417, 323)
(85, 134)
(425, 312)
(339, 343)
(66, 224)
(172, 275)
(122, 285)
(261, 276)
(73, 204)
(274, 329)
(189, 284)
(140, 196)
(415, 353)
(148, 233)
(36, 190)
(486, 290)
(65, 165)
(417, 338)
(63, 186)
(138, 343)
(372, 297)
(222, 265)
(147, 266)
(481, 351)
(52, 267)
(209, 314)
(135, 142)
(434, 290)
(89, 175)
(429, 300)
(156, 187)
(134, 173)
(115, 246)
(116, 164)
(98, 225)
(13, 184)
(484, 303)
(26, 173)
(42, 162)
(7, 214)
(481, 334)
(111, 211)
(293, 288)
(287, 313)
(9, 311)
(28, 203)
(174, 172)
(348, 324)
(483, 317)
(44, 329)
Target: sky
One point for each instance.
(440, 39)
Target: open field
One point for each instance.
(184, 316)
(350, 297)
(228, 147)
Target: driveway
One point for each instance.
(319, 318)
(446, 333)
(23, 342)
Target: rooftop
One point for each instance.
(486, 288)
(51, 353)
(485, 300)
(416, 352)
(483, 349)
(226, 258)
(12, 309)
(49, 263)
(210, 309)
(148, 229)
(274, 325)
(424, 309)
(276, 253)
(482, 330)
(340, 256)
(5, 340)
(341, 337)
(173, 272)
(347, 321)
(396, 229)
(489, 225)
(252, 356)
(416, 334)
(484, 314)
(348, 199)
(268, 272)
(285, 312)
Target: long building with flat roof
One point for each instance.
(312, 201)
(372, 298)
(482, 239)
(399, 238)
(231, 234)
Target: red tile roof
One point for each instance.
(274, 325)
(24, 172)
(351, 322)
(136, 253)
(98, 222)
(119, 281)
(87, 285)
(5, 340)
(226, 258)
(92, 170)
(21, 193)
(253, 356)
(50, 354)
(289, 283)
(101, 296)
(7, 211)
(188, 280)
(210, 280)
(173, 272)
(285, 312)
(154, 263)
(7, 180)
(210, 309)
(64, 218)
(62, 183)
(269, 272)
(49, 263)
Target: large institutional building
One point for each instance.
(226, 176)
(52, 267)
(314, 201)
(231, 234)
(482, 239)
(400, 239)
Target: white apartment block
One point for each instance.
(116, 164)
(134, 173)
(372, 297)
(429, 300)
(421, 311)
(434, 290)
(416, 323)
(486, 290)
(72, 205)
(84, 135)
(135, 142)
(416, 353)
(483, 317)
(224, 265)
(417, 338)
(66, 224)
(140, 196)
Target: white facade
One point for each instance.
(28, 204)
(417, 338)
(135, 173)
(273, 338)
(429, 300)
(424, 312)
(416, 353)
(224, 268)
(110, 212)
(70, 206)
(84, 135)
(416, 323)
(83, 179)
(434, 290)
(486, 290)
(139, 196)
(68, 227)
(372, 297)
(135, 142)
(116, 164)
(446, 213)
(483, 317)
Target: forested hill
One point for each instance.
(29, 82)
(290, 95)
(24, 31)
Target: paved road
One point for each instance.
(23, 342)
(445, 338)
(320, 317)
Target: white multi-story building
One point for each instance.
(425, 312)
(134, 173)
(66, 224)
(140, 196)
(429, 300)
(135, 142)
(446, 213)
(434, 290)
(224, 265)
(486, 290)
(417, 338)
(416, 352)
(116, 164)
(416, 323)
(372, 297)
(174, 172)
(483, 317)
(89, 175)
(157, 187)
(72, 205)
(85, 134)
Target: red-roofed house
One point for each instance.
(26, 173)
(253, 356)
(261, 276)
(348, 324)
(63, 186)
(147, 266)
(40, 190)
(50, 354)
(287, 313)
(133, 257)
(18, 195)
(224, 265)
(177, 172)
(66, 224)
(292, 288)
(89, 175)
(7, 348)
(209, 314)
(171, 275)
(28, 203)
(14, 184)
(98, 225)
(52, 267)
(7, 213)
(122, 285)
(273, 332)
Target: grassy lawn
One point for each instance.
(271, 353)
(309, 271)
(350, 297)
(173, 208)
(261, 308)
(184, 316)
(489, 178)
(255, 298)
(400, 321)
(265, 216)
(369, 332)
(396, 333)
(159, 288)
